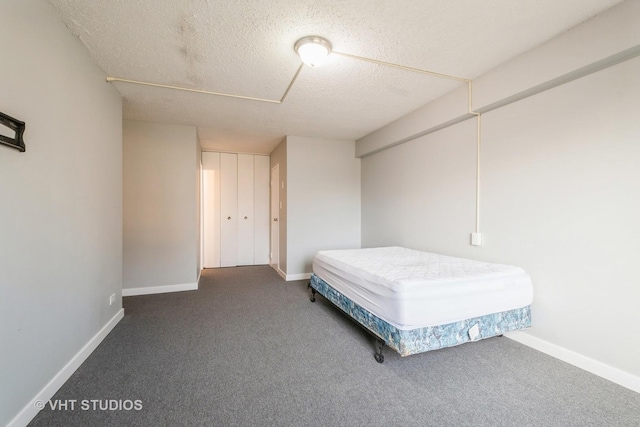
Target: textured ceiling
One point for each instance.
(246, 48)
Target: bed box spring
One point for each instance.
(413, 341)
(412, 289)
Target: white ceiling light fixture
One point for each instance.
(313, 50)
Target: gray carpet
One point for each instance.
(248, 349)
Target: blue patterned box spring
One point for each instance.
(407, 342)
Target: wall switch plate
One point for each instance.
(112, 299)
(476, 239)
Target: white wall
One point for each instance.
(60, 205)
(323, 199)
(160, 211)
(559, 187)
(422, 191)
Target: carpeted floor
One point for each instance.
(249, 349)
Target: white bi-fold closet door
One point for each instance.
(235, 210)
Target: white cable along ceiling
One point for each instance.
(295, 76)
(245, 51)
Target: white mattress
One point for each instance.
(412, 289)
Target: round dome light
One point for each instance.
(313, 50)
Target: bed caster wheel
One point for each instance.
(312, 298)
(379, 356)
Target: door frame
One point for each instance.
(274, 250)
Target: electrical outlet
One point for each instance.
(112, 299)
(476, 239)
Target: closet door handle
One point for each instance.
(245, 217)
(228, 217)
(275, 219)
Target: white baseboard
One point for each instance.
(600, 369)
(290, 277)
(302, 276)
(129, 292)
(29, 412)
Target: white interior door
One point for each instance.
(275, 217)
(261, 210)
(245, 209)
(228, 209)
(211, 210)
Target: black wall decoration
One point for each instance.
(18, 127)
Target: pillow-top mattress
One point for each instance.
(412, 289)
